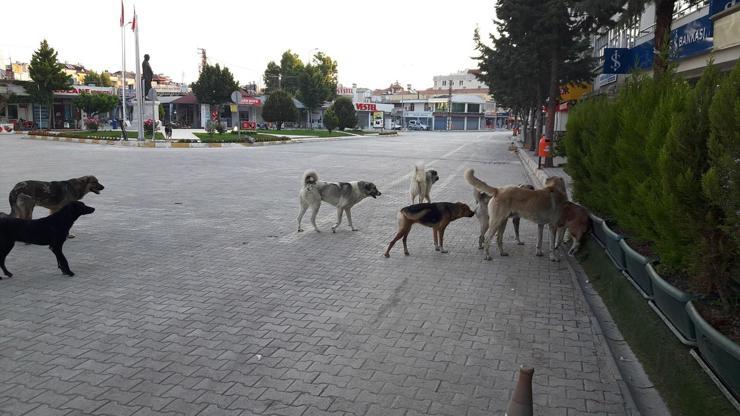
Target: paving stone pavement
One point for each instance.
(194, 295)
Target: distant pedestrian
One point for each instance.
(168, 131)
(124, 135)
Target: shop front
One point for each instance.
(373, 115)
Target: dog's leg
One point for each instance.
(4, 250)
(441, 233)
(406, 232)
(482, 236)
(304, 207)
(500, 238)
(516, 221)
(487, 243)
(398, 236)
(553, 237)
(560, 236)
(61, 260)
(314, 212)
(435, 236)
(349, 218)
(574, 248)
(540, 229)
(339, 220)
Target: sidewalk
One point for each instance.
(636, 383)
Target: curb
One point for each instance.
(641, 396)
(174, 145)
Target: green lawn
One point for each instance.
(686, 389)
(234, 138)
(306, 132)
(108, 134)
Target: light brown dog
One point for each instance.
(542, 206)
(437, 215)
(575, 219)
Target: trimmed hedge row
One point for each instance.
(661, 159)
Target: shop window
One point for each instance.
(444, 82)
(12, 111)
(473, 108)
(458, 107)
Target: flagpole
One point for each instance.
(139, 90)
(123, 75)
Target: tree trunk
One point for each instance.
(552, 101)
(663, 19)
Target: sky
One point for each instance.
(374, 42)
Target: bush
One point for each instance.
(330, 120)
(210, 127)
(661, 160)
(220, 128)
(345, 112)
(279, 108)
(149, 126)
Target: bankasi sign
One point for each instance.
(366, 107)
(85, 90)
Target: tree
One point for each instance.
(214, 85)
(94, 104)
(99, 79)
(271, 77)
(291, 68)
(331, 121)
(279, 108)
(47, 75)
(345, 112)
(552, 34)
(318, 82)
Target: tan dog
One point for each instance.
(436, 215)
(543, 207)
(575, 219)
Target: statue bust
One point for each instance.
(147, 75)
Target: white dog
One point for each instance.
(421, 183)
(343, 195)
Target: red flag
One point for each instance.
(133, 22)
(122, 13)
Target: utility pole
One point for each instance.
(449, 108)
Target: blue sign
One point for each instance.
(716, 6)
(691, 39)
(617, 60)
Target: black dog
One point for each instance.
(49, 231)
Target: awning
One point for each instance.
(186, 99)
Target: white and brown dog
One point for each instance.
(542, 206)
(421, 183)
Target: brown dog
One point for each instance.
(542, 206)
(436, 215)
(575, 219)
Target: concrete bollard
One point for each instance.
(521, 401)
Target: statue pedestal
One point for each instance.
(151, 112)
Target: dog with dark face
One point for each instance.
(51, 195)
(49, 231)
(421, 183)
(343, 195)
(436, 215)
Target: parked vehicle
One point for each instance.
(396, 126)
(416, 125)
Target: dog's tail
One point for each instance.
(310, 177)
(479, 184)
(419, 174)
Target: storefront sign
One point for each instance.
(617, 60)
(417, 114)
(249, 125)
(344, 91)
(691, 39)
(250, 101)
(86, 90)
(366, 107)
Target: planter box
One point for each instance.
(719, 352)
(613, 248)
(597, 229)
(635, 264)
(670, 304)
